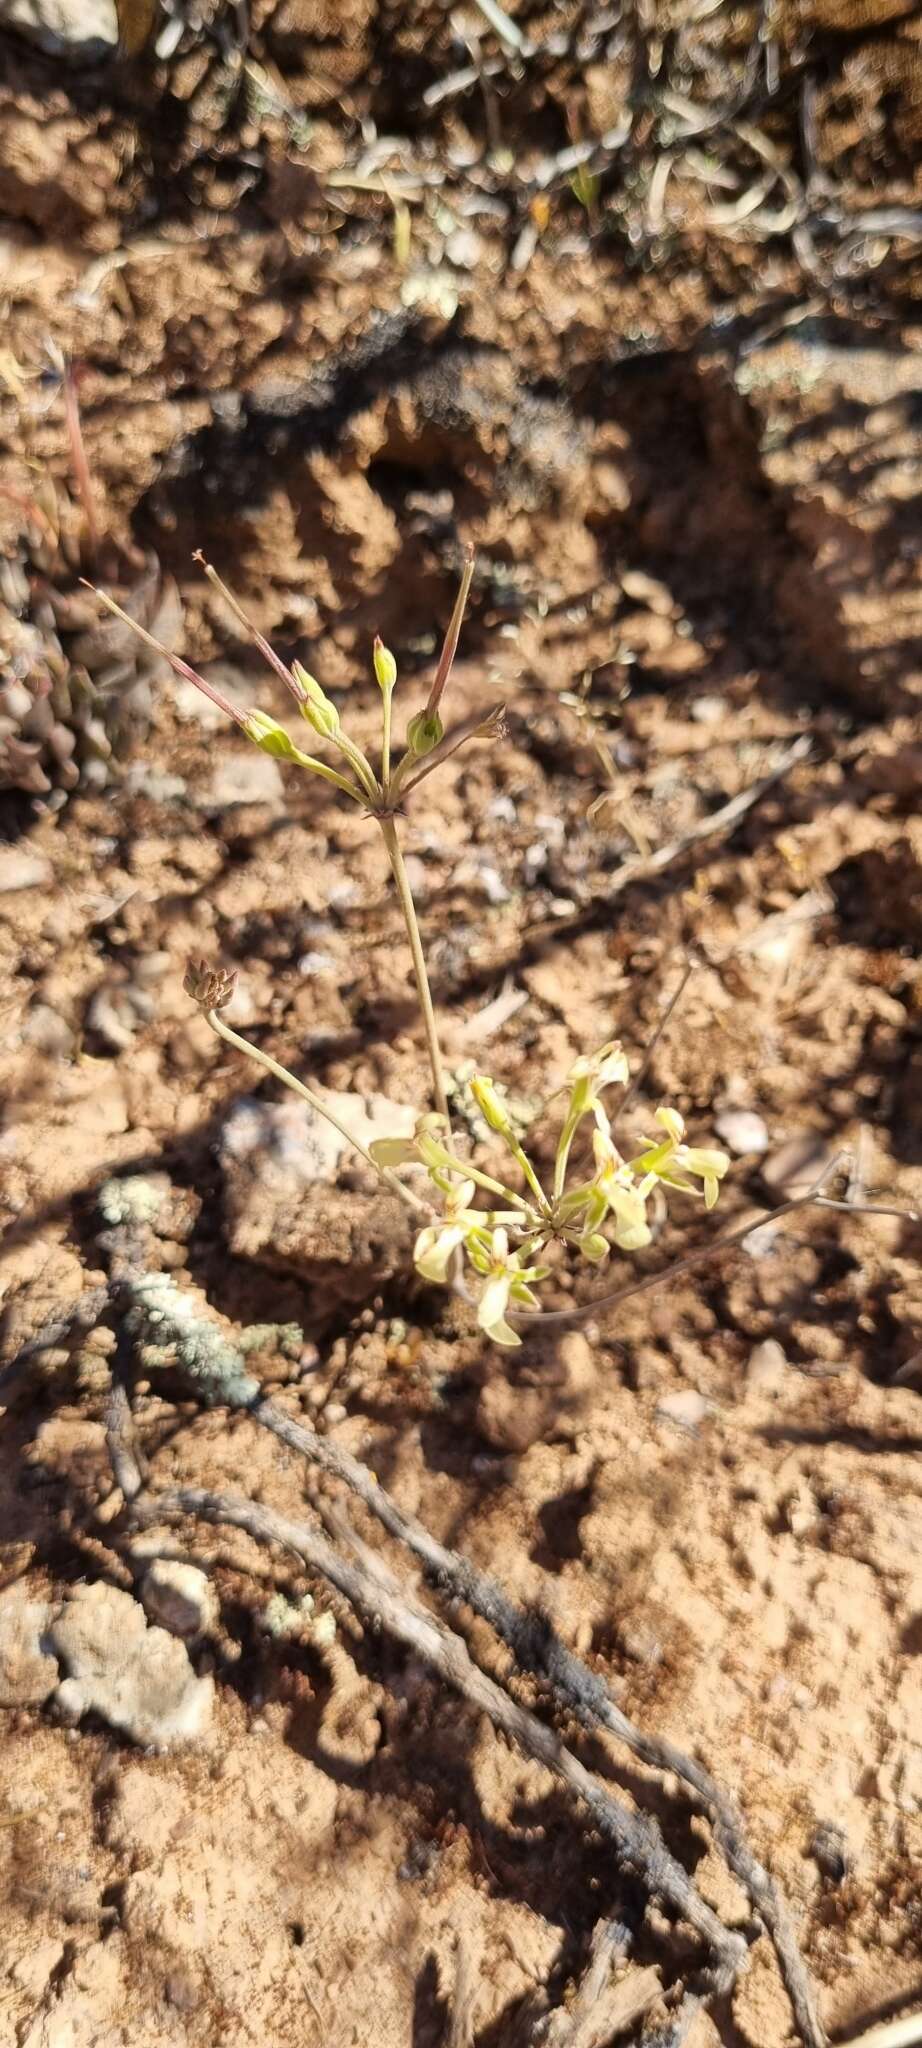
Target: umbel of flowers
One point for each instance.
(503, 1243)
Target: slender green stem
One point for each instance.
(395, 785)
(567, 1136)
(495, 1187)
(360, 765)
(530, 1175)
(408, 907)
(264, 1059)
(332, 775)
(388, 696)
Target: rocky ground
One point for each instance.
(634, 309)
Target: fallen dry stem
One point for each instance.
(717, 824)
(603, 2006)
(575, 1687)
(372, 1590)
(901, 2033)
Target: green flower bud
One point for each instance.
(594, 1247)
(424, 732)
(385, 665)
(267, 733)
(489, 1104)
(315, 706)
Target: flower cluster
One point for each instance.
(503, 1242)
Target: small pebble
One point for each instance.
(798, 1162)
(47, 1031)
(742, 1131)
(21, 868)
(243, 776)
(829, 1849)
(767, 1367)
(707, 710)
(179, 1597)
(686, 1408)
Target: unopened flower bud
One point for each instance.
(385, 665)
(267, 733)
(489, 1104)
(315, 705)
(594, 1247)
(424, 732)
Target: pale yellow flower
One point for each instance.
(505, 1280)
(436, 1245)
(626, 1201)
(678, 1165)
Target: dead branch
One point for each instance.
(602, 2006)
(66, 1323)
(123, 1451)
(902, 2033)
(369, 1586)
(575, 1687)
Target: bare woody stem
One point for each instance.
(264, 1059)
(408, 907)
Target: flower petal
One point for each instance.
(491, 1313)
(434, 1249)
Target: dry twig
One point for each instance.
(576, 1689)
(370, 1587)
(603, 2007)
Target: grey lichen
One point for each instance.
(169, 1325)
(283, 1619)
(170, 1330)
(288, 1338)
(130, 1200)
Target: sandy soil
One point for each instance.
(715, 1493)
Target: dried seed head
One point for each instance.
(493, 727)
(210, 987)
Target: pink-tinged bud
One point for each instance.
(385, 665)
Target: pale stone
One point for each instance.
(137, 1678)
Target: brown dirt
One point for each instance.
(719, 540)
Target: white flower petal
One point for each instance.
(434, 1250)
(491, 1313)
